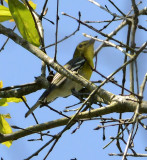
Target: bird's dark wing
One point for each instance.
(75, 63)
(59, 79)
(72, 65)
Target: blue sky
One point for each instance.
(18, 66)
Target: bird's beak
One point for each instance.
(91, 41)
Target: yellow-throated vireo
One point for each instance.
(61, 86)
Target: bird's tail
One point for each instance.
(33, 108)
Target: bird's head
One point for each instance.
(85, 49)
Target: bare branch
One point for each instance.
(119, 105)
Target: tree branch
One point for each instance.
(119, 105)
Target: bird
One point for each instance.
(61, 86)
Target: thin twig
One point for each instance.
(109, 43)
(129, 154)
(117, 8)
(94, 29)
(39, 150)
(120, 128)
(141, 27)
(56, 37)
(44, 7)
(29, 109)
(60, 113)
(105, 21)
(133, 34)
(125, 59)
(48, 20)
(2, 48)
(136, 73)
(115, 83)
(128, 142)
(107, 24)
(105, 9)
(66, 37)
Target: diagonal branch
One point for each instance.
(49, 61)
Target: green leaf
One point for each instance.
(24, 21)
(5, 14)
(3, 102)
(5, 129)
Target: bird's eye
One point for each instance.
(80, 46)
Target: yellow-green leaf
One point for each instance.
(24, 21)
(4, 101)
(1, 84)
(6, 116)
(5, 14)
(5, 129)
(32, 4)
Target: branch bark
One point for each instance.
(119, 105)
